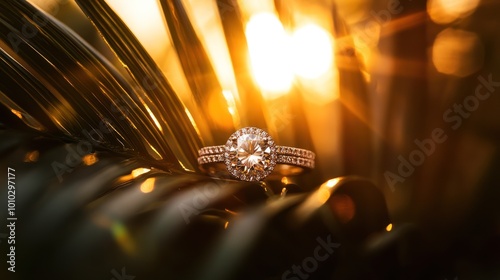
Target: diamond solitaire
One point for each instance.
(250, 154)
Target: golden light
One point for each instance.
(216, 107)
(285, 181)
(52, 7)
(268, 47)
(191, 120)
(322, 196)
(457, 52)
(332, 182)
(231, 104)
(322, 90)
(312, 51)
(32, 156)
(365, 42)
(249, 7)
(17, 113)
(25, 117)
(388, 227)
(139, 171)
(226, 225)
(134, 174)
(316, 200)
(446, 11)
(90, 159)
(152, 151)
(283, 192)
(153, 117)
(145, 20)
(208, 25)
(148, 185)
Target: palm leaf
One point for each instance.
(91, 213)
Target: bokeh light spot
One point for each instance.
(388, 227)
(457, 52)
(90, 159)
(446, 11)
(148, 185)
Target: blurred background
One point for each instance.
(398, 99)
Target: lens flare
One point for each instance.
(312, 51)
(122, 237)
(267, 46)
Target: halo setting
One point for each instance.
(250, 154)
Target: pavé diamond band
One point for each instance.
(250, 154)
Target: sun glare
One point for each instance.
(144, 19)
(277, 57)
(312, 49)
(267, 46)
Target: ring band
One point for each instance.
(250, 154)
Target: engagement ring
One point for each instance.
(250, 154)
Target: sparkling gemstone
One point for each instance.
(251, 154)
